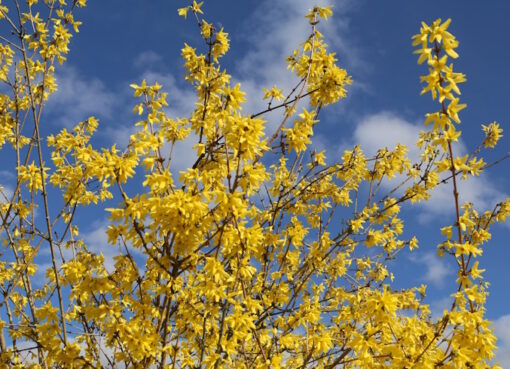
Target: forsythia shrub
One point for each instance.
(256, 256)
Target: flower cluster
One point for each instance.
(262, 254)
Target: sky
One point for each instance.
(124, 41)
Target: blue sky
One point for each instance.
(122, 42)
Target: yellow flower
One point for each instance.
(493, 134)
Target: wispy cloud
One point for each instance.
(7, 175)
(147, 59)
(79, 97)
(437, 307)
(181, 99)
(275, 29)
(502, 331)
(6, 192)
(386, 129)
(96, 240)
(181, 103)
(436, 269)
(7, 189)
(281, 27)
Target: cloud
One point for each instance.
(79, 97)
(97, 242)
(7, 175)
(147, 59)
(437, 307)
(181, 99)
(181, 103)
(274, 30)
(386, 129)
(183, 155)
(436, 269)
(281, 27)
(479, 191)
(502, 331)
(6, 192)
(27, 351)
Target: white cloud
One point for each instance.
(147, 59)
(479, 191)
(8, 175)
(42, 267)
(181, 103)
(281, 27)
(319, 143)
(437, 307)
(181, 100)
(386, 129)
(275, 29)
(79, 97)
(183, 155)
(96, 241)
(436, 269)
(502, 331)
(27, 351)
(6, 192)
(118, 134)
